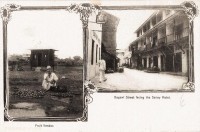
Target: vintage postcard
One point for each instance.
(130, 64)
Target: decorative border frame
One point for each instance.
(85, 10)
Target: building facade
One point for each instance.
(93, 37)
(162, 41)
(101, 43)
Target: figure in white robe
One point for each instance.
(102, 68)
(50, 79)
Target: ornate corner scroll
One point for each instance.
(6, 11)
(89, 89)
(191, 9)
(7, 116)
(189, 86)
(85, 10)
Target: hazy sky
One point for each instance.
(59, 30)
(62, 31)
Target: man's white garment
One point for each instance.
(102, 68)
(47, 79)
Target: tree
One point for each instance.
(68, 61)
(78, 60)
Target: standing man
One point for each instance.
(102, 68)
(50, 79)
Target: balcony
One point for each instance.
(179, 38)
(181, 42)
(148, 46)
(162, 41)
(154, 44)
(135, 51)
(170, 38)
(142, 48)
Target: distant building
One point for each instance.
(162, 41)
(121, 56)
(127, 56)
(42, 57)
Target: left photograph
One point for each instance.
(43, 64)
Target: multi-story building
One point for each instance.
(162, 41)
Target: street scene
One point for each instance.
(147, 54)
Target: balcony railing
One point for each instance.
(162, 41)
(141, 48)
(170, 38)
(154, 44)
(182, 37)
(148, 46)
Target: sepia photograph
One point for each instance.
(44, 65)
(144, 51)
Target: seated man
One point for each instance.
(50, 79)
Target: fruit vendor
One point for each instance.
(50, 79)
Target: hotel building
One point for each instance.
(162, 41)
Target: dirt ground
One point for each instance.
(26, 86)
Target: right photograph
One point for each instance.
(142, 51)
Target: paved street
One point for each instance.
(136, 80)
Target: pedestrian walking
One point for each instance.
(102, 68)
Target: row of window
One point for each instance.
(153, 39)
(39, 56)
(151, 23)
